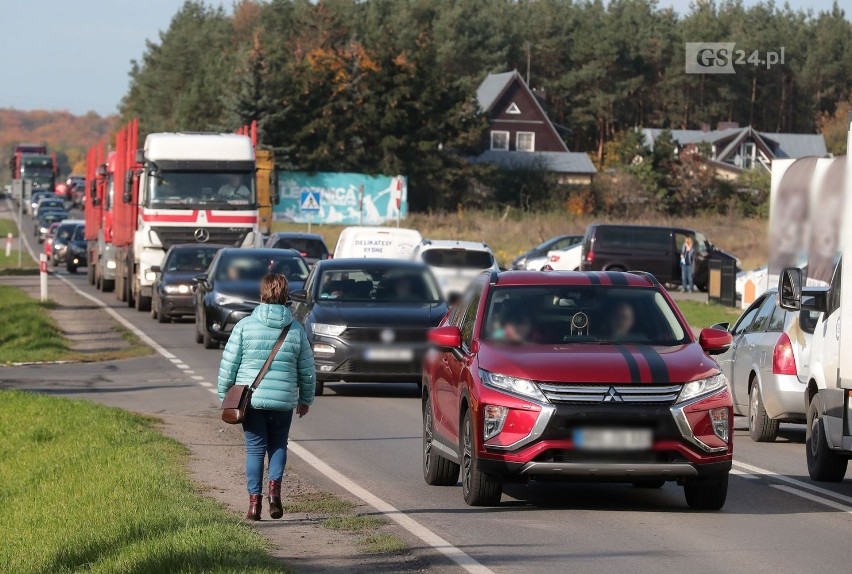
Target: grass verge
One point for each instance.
(700, 315)
(31, 335)
(97, 489)
(10, 264)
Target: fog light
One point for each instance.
(719, 418)
(326, 368)
(494, 418)
(322, 349)
(217, 326)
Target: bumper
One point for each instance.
(784, 397)
(221, 320)
(354, 362)
(175, 305)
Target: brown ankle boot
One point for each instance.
(275, 508)
(255, 506)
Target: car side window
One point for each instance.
(761, 320)
(309, 283)
(776, 322)
(747, 318)
(834, 292)
(469, 321)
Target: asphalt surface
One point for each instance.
(371, 434)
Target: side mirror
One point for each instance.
(446, 338)
(101, 170)
(156, 269)
(721, 326)
(128, 187)
(200, 279)
(714, 341)
(790, 289)
(299, 295)
(140, 156)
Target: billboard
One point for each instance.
(341, 200)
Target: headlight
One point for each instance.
(221, 299)
(176, 289)
(702, 387)
(110, 264)
(326, 329)
(515, 385)
(150, 276)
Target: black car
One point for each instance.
(536, 258)
(230, 289)
(367, 319)
(648, 248)
(76, 255)
(310, 245)
(42, 228)
(172, 291)
(61, 239)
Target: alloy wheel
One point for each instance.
(467, 454)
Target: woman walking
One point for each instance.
(687, 265)
(288, 386)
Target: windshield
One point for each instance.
(190, 259)
(79, 233)
(458, 258)
(313, 248)
(52, 217)
(65, 231)
(381, 284)
(216, 190)
(252, 267)
(562, 314)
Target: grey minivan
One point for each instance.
(767, 365)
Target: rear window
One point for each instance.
(564, 314)
(237, 266)
(313, 248)
(631, 237)
(458, 258)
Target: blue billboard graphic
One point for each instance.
(340, 198)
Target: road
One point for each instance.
(773, 521)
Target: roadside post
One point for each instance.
(397, 196)
(9, 237)
(42, 268)
(309, 204)
(361, 205)
(21, 223)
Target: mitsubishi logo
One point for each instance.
(612, 396)
(387, 336)
(201, 235)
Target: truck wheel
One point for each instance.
(107, 285)
(478, 488)
(760, 426)
(437, 470)
(141, 302)
(824, 464)
(706, 493)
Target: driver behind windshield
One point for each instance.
(620, 319)
(515, 325)
(233, 188)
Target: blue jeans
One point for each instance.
(686, 277)
(265, 432)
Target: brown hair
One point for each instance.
(274, 289)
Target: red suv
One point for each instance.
(575, 376)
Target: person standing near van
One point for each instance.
(288, 385)
(687, 265)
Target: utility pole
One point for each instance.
(528, 63)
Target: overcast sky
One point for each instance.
(71, 55)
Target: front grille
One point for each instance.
(218, 235)
(374, 335)
(600, 393)
(361, 367)
(579, 456)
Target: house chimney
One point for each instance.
(727, 125)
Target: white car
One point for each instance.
(455, 263)
(376, 242)
(566, 259)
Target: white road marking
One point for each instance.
(197, 377)
(742, 474)
(792, 481)
(814, 498)
(214, 391)
(468, 563)
(203, 384)
(182, 366)
(189, 372)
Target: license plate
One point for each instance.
(389, 355)
(613, 439)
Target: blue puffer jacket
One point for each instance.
(292, 375)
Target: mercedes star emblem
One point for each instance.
(201, 235)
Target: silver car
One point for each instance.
(767, 365)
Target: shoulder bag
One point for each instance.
(238, 397)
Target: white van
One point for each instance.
(377, 242)
(455, 263)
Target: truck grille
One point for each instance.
(374, 335)
(218, 235)
(600, 393)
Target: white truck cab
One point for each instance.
(828, 396)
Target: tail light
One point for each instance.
(783, 359)
(554, 258)
(590, 257)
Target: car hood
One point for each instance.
(178, 277)
(596, 363)
(379, 314)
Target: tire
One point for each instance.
(319, 388)
(706, 493)
(760, 426)
(90, 274)
(107, 285)
(437, 470)
(208, 341)
(199, 338)
(71, 269)
(649, 483)
(478, 489)
(824, 464)
(161, 317)
(142, 303)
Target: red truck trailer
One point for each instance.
(100, 189)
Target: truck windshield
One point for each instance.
(207, 189)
